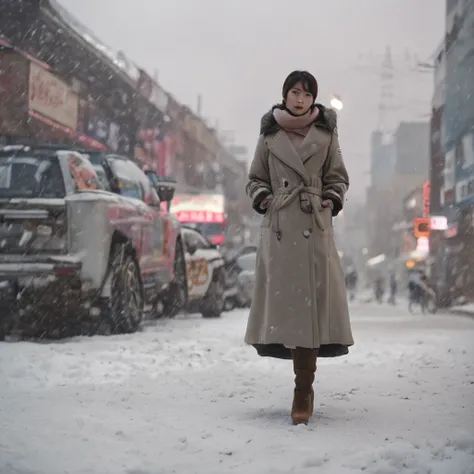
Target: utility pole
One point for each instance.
(395, 72)
(386, 100)
(199, 105)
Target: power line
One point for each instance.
(390, 69)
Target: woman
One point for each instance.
(297, 180)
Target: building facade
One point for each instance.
(453, 249)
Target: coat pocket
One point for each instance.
(325, 214)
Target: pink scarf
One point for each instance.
(295, 124)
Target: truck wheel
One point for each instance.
(176, 296)
(126, 303)
(214, 301)
(4, 326)
(9, 315)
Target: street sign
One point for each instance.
(421, 227)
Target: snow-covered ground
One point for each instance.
(186, 396)
(465, 308)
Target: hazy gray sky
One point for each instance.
(236, 53)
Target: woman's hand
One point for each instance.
(266, 202)
(328, 203)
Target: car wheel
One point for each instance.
(176, 296)
(126, 304)
(6, 321)
(4, 329)
(214, 301)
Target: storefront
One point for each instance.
(52, 104)
(13, 84)
(154, 146)
(107, 79)
(175, 111)
(403, 236)
(458, 114)
(437, 161)
(199, 160)
(98, 129)
(37, 107)
(438, 219)
(459, 108)
(458, 120)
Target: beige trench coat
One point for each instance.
(299, 296)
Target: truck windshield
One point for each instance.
(95, 157)
(102, 177)
(30, 176)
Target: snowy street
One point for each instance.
(187, 396)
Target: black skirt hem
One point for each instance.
(279, 351)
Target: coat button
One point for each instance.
(306, 233)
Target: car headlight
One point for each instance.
(46, 237)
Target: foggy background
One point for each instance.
(237, 54)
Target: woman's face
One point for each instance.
(298, 101)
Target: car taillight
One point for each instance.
(64, 271)
(218, 239)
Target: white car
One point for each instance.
(205, 274)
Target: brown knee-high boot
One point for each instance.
(304, 365)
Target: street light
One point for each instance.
(336, 103)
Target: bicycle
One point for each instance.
(427, 301)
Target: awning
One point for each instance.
(51, 123)
(6, 45)
(89, 142)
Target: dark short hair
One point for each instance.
(309, 82)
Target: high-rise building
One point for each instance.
(382, 157)
(459, 108)
(456, 251)
(437, 134)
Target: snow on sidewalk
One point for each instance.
(186, 396)
(466, 309)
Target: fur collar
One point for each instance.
(327, 119)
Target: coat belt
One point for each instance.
(304, 193)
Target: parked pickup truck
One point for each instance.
(80, 254)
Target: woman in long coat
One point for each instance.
(298, 180)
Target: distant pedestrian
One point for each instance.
(379, 289)
(351, 281)
(393, 289)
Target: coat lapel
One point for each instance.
(310, 145)
(280, 145)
